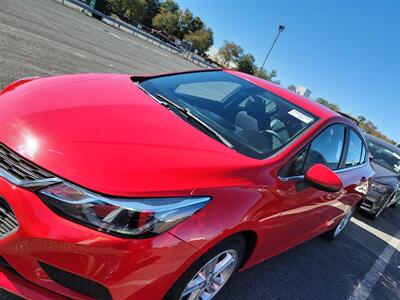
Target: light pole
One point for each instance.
(280, 29)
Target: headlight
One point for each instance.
(380, 188)
(136, 218)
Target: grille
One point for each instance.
(20, 168)
(8, 221)
(77, 283)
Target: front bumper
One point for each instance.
(373, 201)
(127, 268)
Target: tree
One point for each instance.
(152, 9)
(202, 40)
(188, 23)
(292, 87)
(196, 24)
(128, 10)
(135, 10)
(169, 6)
(246, 64)
(117, 7)
(185, 19)
(264, 74)
(370, 128)
(230, 53)
(168, 22)
(328, 104)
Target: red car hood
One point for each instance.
(104, 133)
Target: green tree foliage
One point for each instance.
(328, 104)
(366, 125)
(169, 6)
(196, 24)
(270, 76)
(152, 9)
(202, 40)
(372, 129)
(230, 52)
(135, 11)
(168, 22)
(184, 25)
(246, 63)
(117, 7)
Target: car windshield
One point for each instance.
(385, 157)
(252, 120)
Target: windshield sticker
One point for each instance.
(300, 116)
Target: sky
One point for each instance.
(347, 52)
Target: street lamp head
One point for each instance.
(281, 28)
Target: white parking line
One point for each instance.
(365, 287)
(117, 36)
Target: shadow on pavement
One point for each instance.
(324, 270)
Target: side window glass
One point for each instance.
(325, 149)
(356, 152)
(363, 154)
(298, 163)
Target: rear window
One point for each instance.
(255, 121)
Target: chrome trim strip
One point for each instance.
(9, 233)
(162, 204)
(31, 185)
(351, 168)
(290, 178)
(298, 177)
(13, 218)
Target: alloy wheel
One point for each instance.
(211, 277)
(343, 223)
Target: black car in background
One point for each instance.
(385, 187)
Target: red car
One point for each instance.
(151, 187)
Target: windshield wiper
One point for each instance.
(167, 102)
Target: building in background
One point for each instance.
(303, 91)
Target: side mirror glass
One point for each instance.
(323, 178)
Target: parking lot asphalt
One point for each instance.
(350, 267)
(44, 38)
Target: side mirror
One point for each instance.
(323, 178)
(371, 157)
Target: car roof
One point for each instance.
(381, 142)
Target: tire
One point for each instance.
(338, 229)
(236, 243)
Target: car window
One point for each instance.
(210, 90)
(385, 156)
(326, 149)
(254, 121)
(356, 151)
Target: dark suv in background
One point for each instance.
(385, 187)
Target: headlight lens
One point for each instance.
(137, 218)
(380, 188)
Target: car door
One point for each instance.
(306, 209)
(355, 172)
